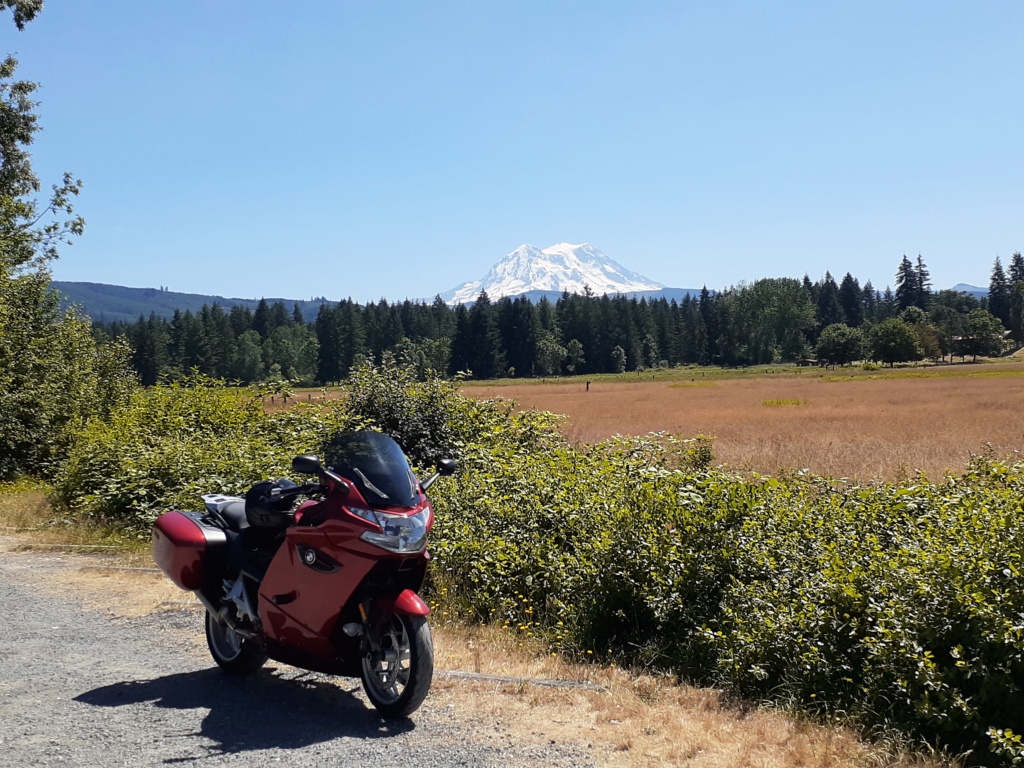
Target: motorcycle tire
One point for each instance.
(233, 653)
(397, 676)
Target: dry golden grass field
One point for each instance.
(843, 423)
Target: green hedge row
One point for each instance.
(893, 605)
(896, 606)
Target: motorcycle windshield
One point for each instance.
(376, 466)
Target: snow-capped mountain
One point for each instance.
(561, 267)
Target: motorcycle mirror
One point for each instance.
(307, 465)
(444, 467)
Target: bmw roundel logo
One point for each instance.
(309, 556)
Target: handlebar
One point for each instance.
(306, 489)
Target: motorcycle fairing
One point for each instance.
(300, 606)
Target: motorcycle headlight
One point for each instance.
(398, 533)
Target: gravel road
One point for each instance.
(82, 688)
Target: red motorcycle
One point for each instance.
(329, 584)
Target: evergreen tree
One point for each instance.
(619, 322)
(1017, 312)
(887, 306)
(999, 294)
(261, 319)
(908, 291)
(442, 320)
(382, 327)
(730, 342)
(575, 318)
(328, 335)
(352, 335)
(176, 342)
(923, 283)
(709, 318)
(830, 312)
(519, 328)
(149, 340)
(650, 354)
(461, 359)
(241, 320)
(416, 321)
(811, 288)
(220, 341)
(1016, 268)
(192, 343)
(666, 320)
(701, 345)
(869, 301)
(485, 353)
(279, 316)
(547, 316)
(851, 301)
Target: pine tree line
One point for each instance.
(770, 320)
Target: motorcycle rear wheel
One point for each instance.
(232, 652)
(398, 664)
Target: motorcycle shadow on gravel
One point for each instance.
(267, 710)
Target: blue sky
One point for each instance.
(396, 149)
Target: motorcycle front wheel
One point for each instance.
(398, 663)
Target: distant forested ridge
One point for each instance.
(121, 304)
(769, 320)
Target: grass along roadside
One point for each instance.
(630, 719)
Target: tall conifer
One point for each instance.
(908, 291)
(999, 294)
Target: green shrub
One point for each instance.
(1008, 745)
(164, 446)
(896, 606)
(170, 444)
(432, 420)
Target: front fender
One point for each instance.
(406, 602)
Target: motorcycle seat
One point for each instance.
(231, 508)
